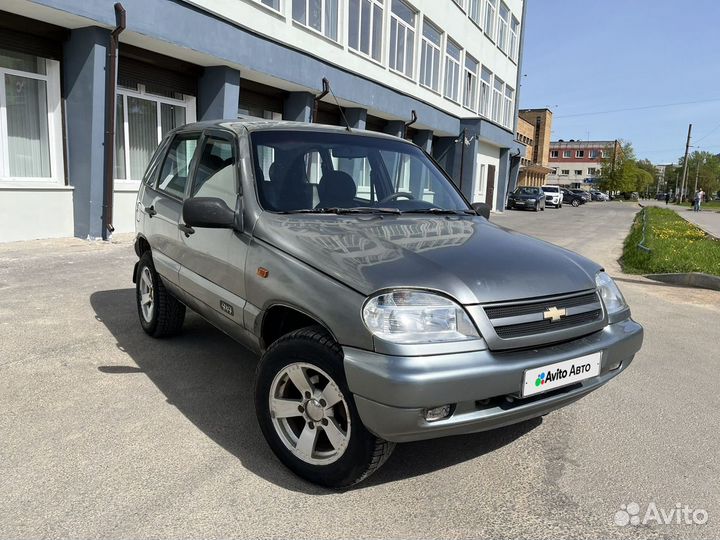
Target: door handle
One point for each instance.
(150, 211)
(187, 230)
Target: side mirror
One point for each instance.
(209, 212)
(482, 209)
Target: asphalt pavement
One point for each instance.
(105, 432)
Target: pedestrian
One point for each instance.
(667, 197)
(700, 198)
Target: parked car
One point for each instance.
(598, 196)
(572, 198)
(584, 194)
(660, 197)
(532, 198)
(553, 196)
(385, 310)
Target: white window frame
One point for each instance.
(453, 93)
(373, 23)
(426, 47)
(508, 106)
(278, 10)
(594, 154)
(567, 154)
(190, 116)
(323, 29)
(498, 100)
(486, 93)
(578, 172)
(470, 83)
(54, 119)
(592, 171)
(514, 41)
(460, 4)
(503, 27)
(579, 153)
(554, 153)
(564, 172)
(475, 11)
(490, 18)
(407, 28)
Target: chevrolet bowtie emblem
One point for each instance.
(554, 314)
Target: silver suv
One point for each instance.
(384, 307)
(553, 196)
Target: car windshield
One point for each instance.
(307, 172)
(550, 189)
(527, 191)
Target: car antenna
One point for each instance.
(342, 113)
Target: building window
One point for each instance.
(460, 4)
(319, 15)
(475, 11)
(603, 154)
(273, 4)
(503, 23)
(578, 172)
(567, 154)
(490, 9)
(564, 172)
(365, 27)
(592, 171)
(30, 122)
(579, 153)
(452, 71)
(430, 56)
(509, 106)
(594, 154)
(497, 103)
(141, 121)
(402, 37)
(514, 42)
(470, 82)
(485, 84)
(554, 153)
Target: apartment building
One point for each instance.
(453, 62)
(576, 164)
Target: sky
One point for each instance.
(595, 56)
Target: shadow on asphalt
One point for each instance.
(209, 378)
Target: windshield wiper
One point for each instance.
(341, 211)
(440, 211)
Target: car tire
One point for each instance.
(337, 450)
(161, 314)
(537, 207)
(575, 203)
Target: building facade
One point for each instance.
(453, 62)
(576, 164)
(534, 128)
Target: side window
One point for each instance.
(176, 168)
(152, 171)
(215, 174)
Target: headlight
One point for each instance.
(407, 316)
(610, 294)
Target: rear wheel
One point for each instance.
(307, 413)
(575, 203)
(161, 314)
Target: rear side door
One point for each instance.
(212, 260)
(163, 204)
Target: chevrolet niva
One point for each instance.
(385, 308)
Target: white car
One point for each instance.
(553, 196)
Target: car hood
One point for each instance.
(467, 258)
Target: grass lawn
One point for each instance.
(677, 246)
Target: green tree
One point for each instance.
(705, 166)
(618, 171)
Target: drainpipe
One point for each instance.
(413, 119)
(110, 87)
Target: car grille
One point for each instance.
(583, 314)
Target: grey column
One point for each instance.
(356, 117)
(503, 179)
(218, 93)
(85, 55)
(395, 127)
(424, 138)
(298, 107)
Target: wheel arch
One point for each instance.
(280, 318)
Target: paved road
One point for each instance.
(708, 219)
(107, 433)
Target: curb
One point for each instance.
(698, 280)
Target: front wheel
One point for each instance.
(307, 413)
(575, 203)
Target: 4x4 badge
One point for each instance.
(227, 308)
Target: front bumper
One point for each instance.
(483, 386)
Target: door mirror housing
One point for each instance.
(482, 209)
(210, 213)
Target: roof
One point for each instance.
(251, 123)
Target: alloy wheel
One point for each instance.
(147, 294)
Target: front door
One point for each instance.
(490, 192)
(213, 260)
